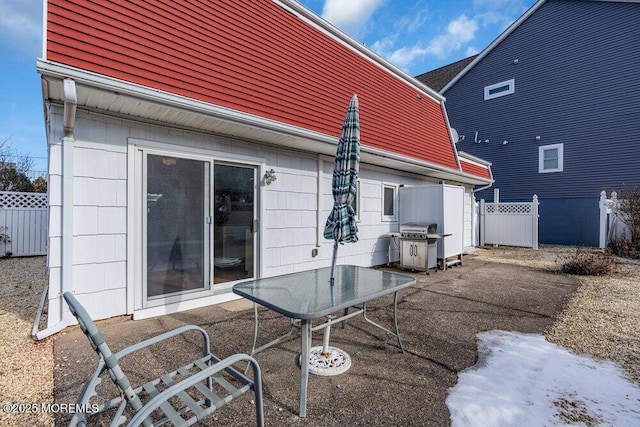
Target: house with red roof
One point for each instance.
(191, 146)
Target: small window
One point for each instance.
(499, 89)
(389, 202)
(550, 158)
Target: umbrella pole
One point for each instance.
(325, 339)
(327, 330)
(333, 261)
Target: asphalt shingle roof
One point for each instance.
(438, 78)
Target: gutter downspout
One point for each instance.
(66, 279)
(473, 225)
(475, 190)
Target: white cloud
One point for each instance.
(385, 46)
(414, 22)
(21, 25)
(492, 4)
(351, 16)
(471, 50)
(404, 56)
(460, 31)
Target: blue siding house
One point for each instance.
(554, 104)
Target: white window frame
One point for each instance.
(394, 216)
(544, 148)
(511, 88)
(136, 302)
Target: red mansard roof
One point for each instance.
(474, 169)
(474, 166)
(251, 56)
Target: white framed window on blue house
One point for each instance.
(550, 158)
(389, 202)
(499, 89)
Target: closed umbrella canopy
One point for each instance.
(341, 224)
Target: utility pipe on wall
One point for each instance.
(319, 228)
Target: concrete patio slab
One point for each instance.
(439, 318)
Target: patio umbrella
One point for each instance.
(341, 224)
(341, 227)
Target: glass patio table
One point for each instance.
(309, 295)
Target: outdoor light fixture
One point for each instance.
(269, 176)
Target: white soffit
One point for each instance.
(121, 99)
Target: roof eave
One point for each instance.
(101, 93)
(468, 156)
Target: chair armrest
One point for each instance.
(162, 337)
(185, 384)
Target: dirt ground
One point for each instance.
(439, 318)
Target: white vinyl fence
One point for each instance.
(24, 218)
(611, 225)
(509, 224)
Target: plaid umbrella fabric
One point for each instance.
(341, 224)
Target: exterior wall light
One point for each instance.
(270, 176)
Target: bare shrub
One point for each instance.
(586, 262)
(4, 238)
(622, 247)
(628, 244)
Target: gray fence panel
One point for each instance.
(511, 224)
(24, 217)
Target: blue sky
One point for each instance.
(415, 35)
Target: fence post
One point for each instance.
(534, 218)
(482, 224)
(603, 220)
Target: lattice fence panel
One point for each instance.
(512, 224)
(17, 200)
(24, 219)
(509, 208)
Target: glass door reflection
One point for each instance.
(177, 225)
(233, 218)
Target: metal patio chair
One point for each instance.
(182, 397)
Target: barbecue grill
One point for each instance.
(418, 231)
(418, 250)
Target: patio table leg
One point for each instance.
(395, 321)
(304, 364)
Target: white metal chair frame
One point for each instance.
(167, 395)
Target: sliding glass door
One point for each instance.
(178, 224)
(199, 225)
(234, 221)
